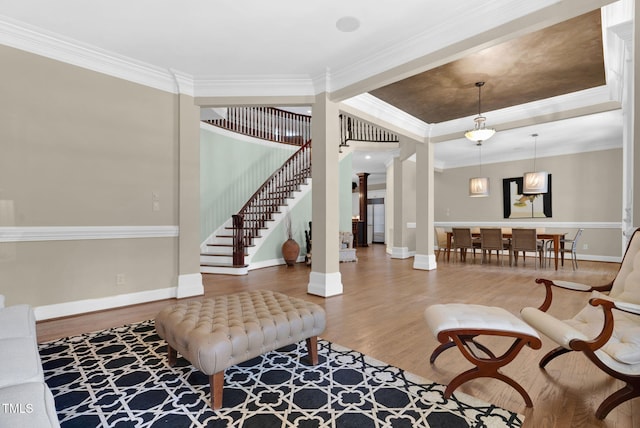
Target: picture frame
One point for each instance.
(518, 205)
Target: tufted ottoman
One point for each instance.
(458, 324)
(216, 333)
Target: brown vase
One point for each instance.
(290, 251)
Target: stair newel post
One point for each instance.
(238, 240)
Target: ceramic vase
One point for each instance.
(290, 251)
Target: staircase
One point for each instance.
(234, 243)
(231, 247)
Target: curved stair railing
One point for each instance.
(268, 199)
(267, 123)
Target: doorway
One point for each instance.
(375, 220)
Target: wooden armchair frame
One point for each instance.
(573, 340)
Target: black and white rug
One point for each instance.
(120, 378)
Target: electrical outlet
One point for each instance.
(585, 246)
(120, 279)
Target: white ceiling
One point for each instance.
(239, 47)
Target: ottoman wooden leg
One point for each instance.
(216, 386)
(312, 349)
(172, 356)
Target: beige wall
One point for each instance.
(586, 190)
(79, 148)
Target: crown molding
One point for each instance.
(35, 40)
(593, 99)
(385, 112)
(253, 86)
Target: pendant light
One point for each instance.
(479, 186)
(534, 183)
(480, 132)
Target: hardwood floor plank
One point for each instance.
(381, 311)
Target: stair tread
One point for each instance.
(226, 245)
(219, 255)
(223, 265)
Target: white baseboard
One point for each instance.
(401, 253)
(325, 284)
(91, 305)
(190, 285)
(424, 261)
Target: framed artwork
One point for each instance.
(518, 205)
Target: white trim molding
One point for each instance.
(91, 305)
(35, 40)
(424, 262)
(75, 233)
(401, 253)
(325, 284)
(549, 224)
(189, 285)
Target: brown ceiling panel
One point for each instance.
(557, 60)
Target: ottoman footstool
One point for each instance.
(216, 333)
(458, 324)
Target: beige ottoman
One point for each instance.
(216, 333)
(458, 324)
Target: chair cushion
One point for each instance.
(624, 345)
(462, 316)
(626, 286)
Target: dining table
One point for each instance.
(557, 238)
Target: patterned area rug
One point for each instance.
(120, 378)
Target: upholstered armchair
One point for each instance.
(347, 251)
(607, 330)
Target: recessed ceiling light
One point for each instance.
(347, 24)
(367, 157)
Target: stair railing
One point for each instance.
(267, 200)
(267, 123)
(354, 129)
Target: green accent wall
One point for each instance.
(300, 214)
(231, 170)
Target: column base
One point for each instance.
(401, 253)
(425, 261)
(189, 285)
(325, 284)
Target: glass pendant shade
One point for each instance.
(478, 187)
(480, 132)
(535, 183)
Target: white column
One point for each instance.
(189, 276)
(425, 258)
(325, 279)
(399, 249)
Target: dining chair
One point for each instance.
(491, 239)
(526, 240)
(567, 246)
(441, 241)
(463, 241)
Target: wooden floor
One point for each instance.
(380, 314)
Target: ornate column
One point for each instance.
(363, 238)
